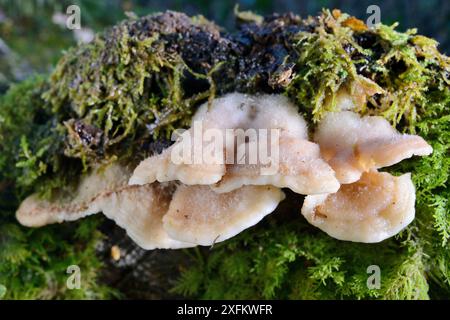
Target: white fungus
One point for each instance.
(199, 215)
(70, 206)
(295, 162)
(215, 200)
(287, 159)
(137, 209)
(161, 168)
(353, 145)
(374, 208)
(140, 210)
(300, 168)
(228, 116)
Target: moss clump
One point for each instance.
(127, 86)
(31, 140)
(34, 262)
(340, 52)
(291, 261)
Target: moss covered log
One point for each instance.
(120, 97)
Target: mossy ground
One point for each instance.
(120, 97)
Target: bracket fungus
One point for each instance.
(266, 128)
(352, 144)
(137, 209)
(69, 206)
(299, 168)
(374, 208)
(199, 215)
(161, 168)
(369, 206)
(294, 162)
(200, 201)
(192, 213)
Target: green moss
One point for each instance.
(29, 138)
(338, 52)
(120, 83)
(323, 68)
(293, 261)
(34, 262)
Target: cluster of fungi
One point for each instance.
(163, 204)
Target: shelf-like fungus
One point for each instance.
(374, 208)
(162, 168)
(299, 168)
(199, 215)
(352, 144)
(137, 209)
(259, 140)
(70, 206)
(196, 214)
(225, 173)
(369, 206)
(140, 211)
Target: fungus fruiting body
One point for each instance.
(299, 168)
(161, 168)
(85, 200)
(137, 209)
(291, 161)
(199, 215)
(140, 211)
(369, 206)
(200, 191)
(352, 144)
(374, 208)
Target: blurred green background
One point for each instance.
(33, 34)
